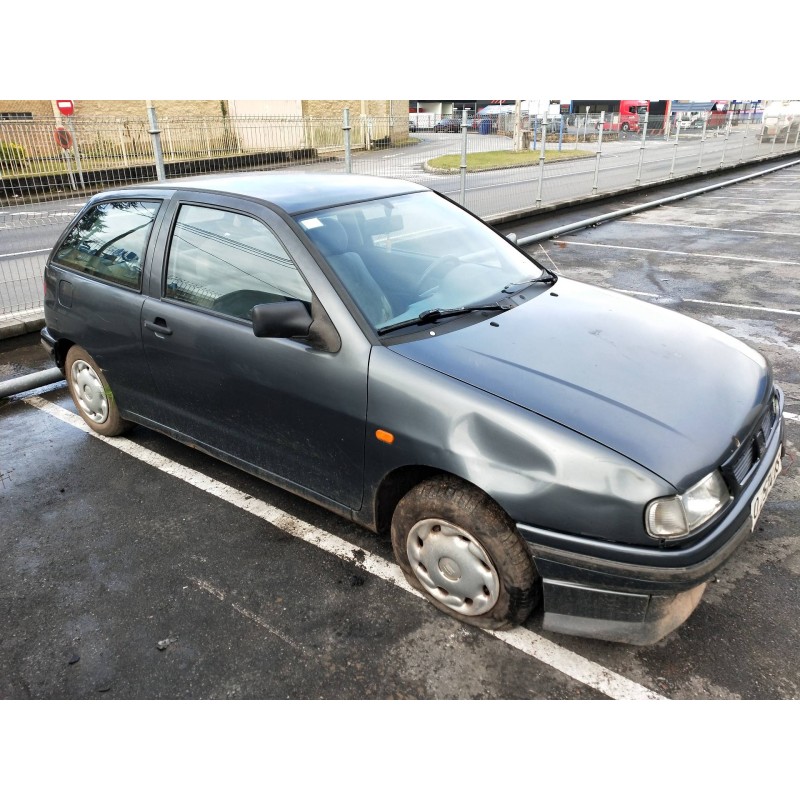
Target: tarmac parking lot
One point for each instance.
(138, 568)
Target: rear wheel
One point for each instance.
(92, 395)
(464, 554)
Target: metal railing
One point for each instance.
(496, 167)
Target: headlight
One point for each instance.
(673, 517)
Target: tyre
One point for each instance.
(463, 553)
(625, 127)
(92, 395)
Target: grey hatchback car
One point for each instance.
(375, 348)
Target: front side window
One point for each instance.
(110, 240)
(229, 262)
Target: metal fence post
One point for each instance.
(77, 154)
(155, 134)
(599, 149)
(348, 164)
(463, 195)
(674, 146)
(122, 145)
(69, 170)
(541, 159)
(208, 139)
(641, 150)
(702, 142)
(727, 136)
(744, 139)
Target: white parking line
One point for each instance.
(747, 308)
(713, 228)
(681, 253)
(565, 661)
(715, 303)
(25, 252)
(747, 209)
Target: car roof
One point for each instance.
(296, 192)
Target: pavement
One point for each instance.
(18, 323)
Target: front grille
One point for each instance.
(743, 462)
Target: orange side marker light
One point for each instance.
(384, 436)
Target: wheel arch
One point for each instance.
(60, 350)
(396, 484)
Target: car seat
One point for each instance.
(331, 239)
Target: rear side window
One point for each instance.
(229, 262)
(109, 241)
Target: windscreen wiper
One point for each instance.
(432, 314)
(516, 286)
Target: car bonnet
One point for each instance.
(660, 388)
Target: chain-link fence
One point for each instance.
(494, 165)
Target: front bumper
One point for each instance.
(638, 595)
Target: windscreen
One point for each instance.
(401, 256)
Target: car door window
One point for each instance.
(109, 241)
(229, 262)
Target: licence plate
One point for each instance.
(757, 504)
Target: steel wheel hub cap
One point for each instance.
(89, 392)
(453, 567)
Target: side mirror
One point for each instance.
(281, 320)
(512, 237)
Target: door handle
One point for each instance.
(159, 327)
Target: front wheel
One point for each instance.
(91, 394)
(463, 553)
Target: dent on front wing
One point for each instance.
(539, 471)
(553, 478)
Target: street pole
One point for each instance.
(702, 141)
(463, 194)
(541, 159)
(641, 150)
(348, 164)
(674, 146)
(599, 148)
(155, 135)
(75, 152)
(728, 124)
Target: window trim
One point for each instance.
(139, 289)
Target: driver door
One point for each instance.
(278, 406)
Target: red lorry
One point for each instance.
(624, 115)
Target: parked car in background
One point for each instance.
(452, 124)
(412, 126)
(713, 117)
(371, 346)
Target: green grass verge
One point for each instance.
(498, 159)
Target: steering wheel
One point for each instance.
(443, 264)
